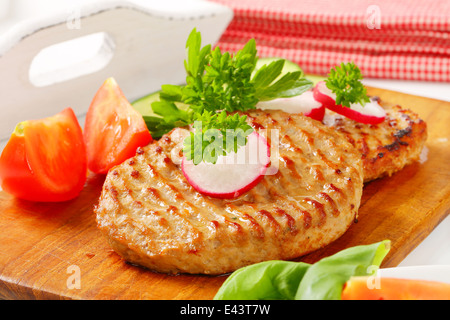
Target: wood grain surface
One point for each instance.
(54, 251)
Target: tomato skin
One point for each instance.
(357, 288)
(45, 160)
(113, 129)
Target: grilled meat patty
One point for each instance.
(386, 147)
(152, 217)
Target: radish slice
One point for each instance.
(370, 113)
(233, 174)
(304, 103)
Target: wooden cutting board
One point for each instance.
(54, 251)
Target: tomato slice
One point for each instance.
(45, 160)
(113, 129)
(362, 288)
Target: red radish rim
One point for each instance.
(350, 113)
(317, 113)
(234, 193)
(229, 195)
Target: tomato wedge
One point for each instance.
(113, 129)
(45, 160)
(358, 288)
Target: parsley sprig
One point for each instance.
(345, 82)
(219, 83)
(216, 134)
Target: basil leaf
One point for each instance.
(270, 280)
(324, 280)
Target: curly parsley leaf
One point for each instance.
(345, 82)
(221, 81)
(214, 135)
(218, 83)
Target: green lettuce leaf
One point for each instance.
(287, 280)
(325, 279)
(269, 280)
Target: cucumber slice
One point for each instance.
(144, 104)
(289, 66)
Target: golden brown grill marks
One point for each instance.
(270, 120)
(256, 125)
(307, 219)
(148, 206)
(290, 165)
(232, 223)
(215, 225)
(315, 170)
(305, 136)
(176, 195)
(387, 147)
(333, 188)
(272, 192)
(135, 174)
(254, 226)
(319, 208)
(335, 193)
(168, 203)
(153, 193)
(327, 161)
(330, 201)
(286, 140)
(290, 221)
(140, 151)
(270, 220)
(236, 231)
(114, 193)
(317, 173)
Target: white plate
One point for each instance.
(439, 273)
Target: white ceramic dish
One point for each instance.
(141, 43)
(439, 273)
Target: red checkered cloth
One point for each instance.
(406, 39)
